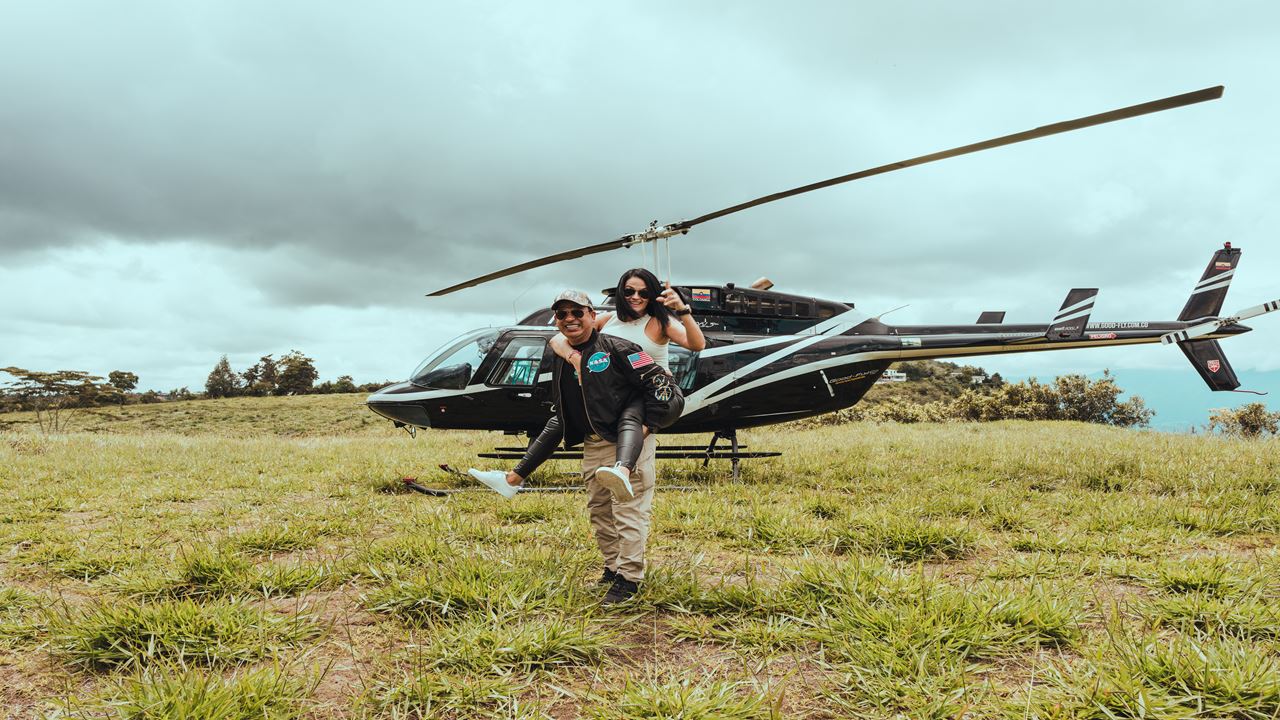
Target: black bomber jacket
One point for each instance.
(614, 372)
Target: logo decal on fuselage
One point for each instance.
(598, 362)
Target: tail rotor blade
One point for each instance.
(1194, 331)
(1203, 329)
(1257, 310)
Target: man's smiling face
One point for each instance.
(574, 321)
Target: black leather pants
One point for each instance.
(631, 434)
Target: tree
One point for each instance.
(55, 397)
(260, 379)
(122, 381)
(297, 374)
(344, 384)
(1250, 421)
(222, 381)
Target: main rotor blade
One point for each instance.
(1191, 98)
(567, 255)
(1168, 103)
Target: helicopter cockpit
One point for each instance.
(451, 367)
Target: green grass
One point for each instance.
(245, 559)
(169, 694)
(108, 635)
(685, 699)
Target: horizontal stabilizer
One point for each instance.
(1208, 328)
(1207, 358)
(1072, 317)
(991, 317)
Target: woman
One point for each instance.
(652, 317)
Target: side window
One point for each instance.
(519, 362)
(683, 366)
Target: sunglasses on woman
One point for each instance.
(629, 291)
(576, 312)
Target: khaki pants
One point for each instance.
(621, 527)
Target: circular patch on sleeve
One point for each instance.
(662, 394)
(598, 362)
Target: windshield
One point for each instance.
(470, 349)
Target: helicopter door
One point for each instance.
(522, 372)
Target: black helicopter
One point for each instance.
(774, 357)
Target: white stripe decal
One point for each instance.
(434, 394)
(1212, 287)
(1214, 278)
(843, 321)
(740, 347)
(1083, 313)
(702, 396)
(1078, 305)
(923, 353)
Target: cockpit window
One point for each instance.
(683, 365)
(457, 361)
(519, 362)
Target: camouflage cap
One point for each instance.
(577, 297)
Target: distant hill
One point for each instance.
(929, 381)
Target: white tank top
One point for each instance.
(634, 331)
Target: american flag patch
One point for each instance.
(639, 360)
(701, 295)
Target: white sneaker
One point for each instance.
(496, 480)
(616, 481)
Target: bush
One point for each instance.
(1247, 421)
(1070, 397)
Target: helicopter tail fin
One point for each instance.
(1206, 299)
(1207, 358)
(1072, 317)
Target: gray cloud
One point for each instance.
(344, 160)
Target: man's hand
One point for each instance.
(671, 299)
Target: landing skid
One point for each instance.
(734, 454)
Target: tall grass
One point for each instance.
(198, 558)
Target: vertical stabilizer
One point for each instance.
(1206, 299)
(1069, 323)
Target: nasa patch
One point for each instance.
(598, 362)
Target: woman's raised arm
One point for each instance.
(683, 330)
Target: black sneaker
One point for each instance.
(620, 592)
(608, 577)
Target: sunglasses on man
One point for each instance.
(577, 312)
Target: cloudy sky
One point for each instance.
(184, 180)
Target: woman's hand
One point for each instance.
(671, 299)
(560, 346)
(683, 330)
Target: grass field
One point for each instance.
(255, 558)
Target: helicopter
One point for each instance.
(774, 357)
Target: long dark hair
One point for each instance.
(651, 287)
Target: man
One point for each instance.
(589, 408)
